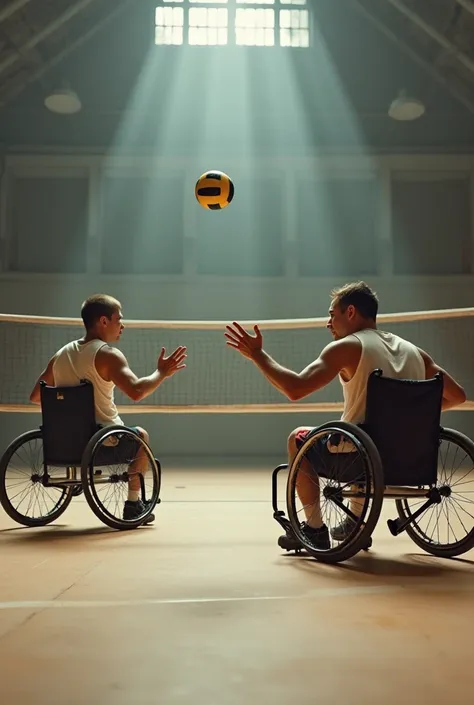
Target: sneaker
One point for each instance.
(133, 510)
(343, 530)
(318, 537)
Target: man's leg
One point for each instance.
(307, 488)
(307, 481)
(356, 504)
(139, 466)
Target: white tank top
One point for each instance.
(76, 361)
(396, 357)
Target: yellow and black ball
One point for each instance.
(214, 190)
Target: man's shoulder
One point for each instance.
(108, 352)
(344, 349)
(109, 359)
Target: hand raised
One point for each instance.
(248, 345)
(167, 366)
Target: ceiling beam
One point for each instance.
(466, 100)
(434, 34)
(52, 27)
(467, 5)
(8, 95)
(12, 8)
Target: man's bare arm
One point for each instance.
(113, 366)
(453, 394)
(297, 385)
(45, 376)
(335, 357)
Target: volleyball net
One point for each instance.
(218, 379)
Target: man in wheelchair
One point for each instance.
(357, 350)
(94, 359)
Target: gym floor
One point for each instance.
(203, 607)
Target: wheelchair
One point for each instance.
(42, 470)
(400, 452)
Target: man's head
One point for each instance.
(102, 317)
(353, 307)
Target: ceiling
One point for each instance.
(377, 47)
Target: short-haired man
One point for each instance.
(93, 358)
(358, 348)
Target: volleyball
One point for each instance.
(214, 190)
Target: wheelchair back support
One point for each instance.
(403, 420)
(68, 422)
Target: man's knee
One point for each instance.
(144, 434)
(292, 438)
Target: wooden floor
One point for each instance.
(203, 608)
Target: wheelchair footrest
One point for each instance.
(395, 526)
(280, 517)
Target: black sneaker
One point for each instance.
(343, 530)
(318, 537)
(133, 510)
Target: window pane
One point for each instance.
(169, 25)
(207, 17)
(207, 26)
(169, 35)
(294, 38)
(294, 19)
(255, 27)
(294, 28)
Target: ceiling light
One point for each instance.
(63, 101)
(406, 108)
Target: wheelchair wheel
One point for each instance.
(343, 477)
(105, 474)
(446, 529)
(23, 495)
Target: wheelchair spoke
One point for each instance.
(30, 500)
(334, 481)
(444, 509)
(455, 509)
(458, 503)
(447, 527)
(114, 469)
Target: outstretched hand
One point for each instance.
(248, 345)
(167, 366)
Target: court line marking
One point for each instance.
(355, 591)
(59, 604)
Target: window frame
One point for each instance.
(232, 7)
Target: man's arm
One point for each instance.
(113, 366)
(297, 385)
(45, 376)
(453, 394)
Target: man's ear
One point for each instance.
(351, 311)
